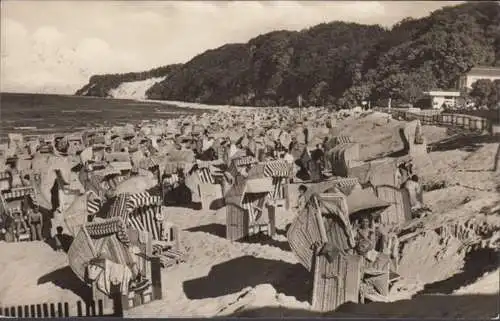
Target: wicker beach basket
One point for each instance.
(80, 253)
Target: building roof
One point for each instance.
(485, 71)
(442, 93)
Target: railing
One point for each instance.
(468, 122)
(62, 310)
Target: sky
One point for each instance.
(55, 46)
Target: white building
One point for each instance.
(440, 99)
(465, 81)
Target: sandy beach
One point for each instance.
(263, 277)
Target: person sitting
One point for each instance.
(375, 271)
(62, 241)
(366, 232)
(20, 226)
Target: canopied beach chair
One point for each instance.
(102, 248)
(346, 277)
(247, 207)
(338, 281)
(201, 178)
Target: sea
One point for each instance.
(41, 114)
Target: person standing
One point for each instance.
(35, 221)
(301, 200)
(416, 194)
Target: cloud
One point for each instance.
(92, 37)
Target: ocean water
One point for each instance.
(35, 114)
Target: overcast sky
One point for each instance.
(55, 46)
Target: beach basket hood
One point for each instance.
(363, 200)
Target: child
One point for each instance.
(301, 201)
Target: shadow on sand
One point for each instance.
(217, 204)
(476, 264)
(262, 239)
(248, 271)
(66, 279)
(214, 229)
(465, 142)
(421, 307)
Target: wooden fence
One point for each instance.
(63, 310)
(469, 122)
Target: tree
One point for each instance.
(483, 91)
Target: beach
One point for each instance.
(263, 276)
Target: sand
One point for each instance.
(440, 276)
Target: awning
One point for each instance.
(364, 199)
(142, 199)
(121, 166)
(277, 169)
(113, 225)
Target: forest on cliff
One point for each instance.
(334, 64)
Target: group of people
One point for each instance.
(24, 217)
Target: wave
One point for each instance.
(26, 128)
(82, 111)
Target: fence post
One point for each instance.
(156, 278)
(117, 304)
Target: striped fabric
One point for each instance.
(206, 176)
(345, 185)
(171, 180)
(277, 169)
(203, 164)
(4, 175)
(144, 219)
(346, 182)
(279, 188)
(233, 170)
(18, 193)
(242, 161)
(135, 201)
(119, 179)
(343, 140)
(113, 225)
(93, 206)
(172, 168)
(119, 207)
(138, 210)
